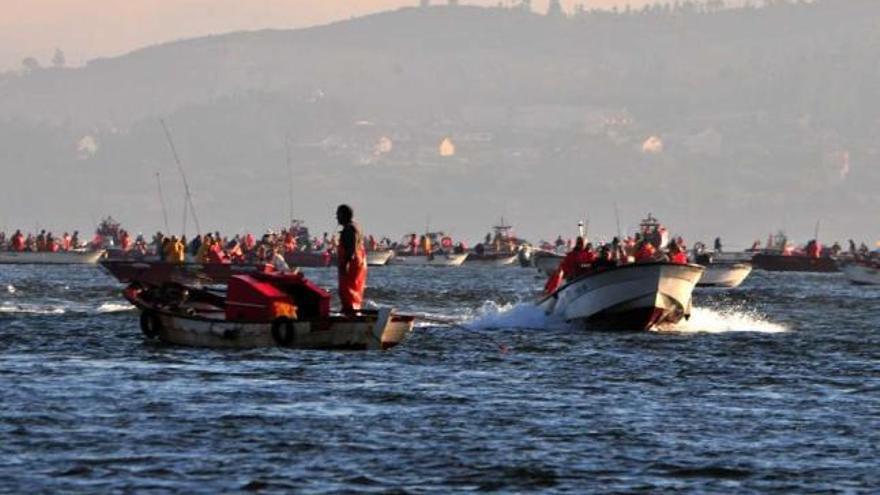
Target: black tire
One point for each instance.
(150, 324)
(282, 331)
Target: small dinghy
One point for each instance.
(261, 310)
(628, 297)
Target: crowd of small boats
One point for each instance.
(249, 293)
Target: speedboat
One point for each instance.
(261, 310)
(546, 261)
(379, 257)
(727, 275)
(628, 297)
(73, 257)
(501, 249)
(436, 259)
(720, 272)
(861, 272)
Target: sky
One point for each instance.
(87, 29)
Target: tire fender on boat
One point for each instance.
(150, 324)
(282, 331)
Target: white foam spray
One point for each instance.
(707, 320)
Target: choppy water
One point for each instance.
(773, 387)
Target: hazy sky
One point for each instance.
(86, 29)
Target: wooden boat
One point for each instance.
(861, 272)
(628, 297)
(75, 257)
(777, 262)
(261, 310)
(161, 272)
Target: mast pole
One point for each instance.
(189, 200)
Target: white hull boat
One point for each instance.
(629, 297)
(861, 273)
(499, 259)
(57, 258)
(435, 260)
(546, 262)
(728, 275)
(379, 258)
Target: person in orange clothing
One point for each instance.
(352, 261)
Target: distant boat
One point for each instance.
(438, 259)
(721, 271)
(75, 257)
(861, 272)
(503, 248)
(727, 275)
(778, 262)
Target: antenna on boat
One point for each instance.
(289, 178)
(189, 201)
(162, 202)
(617, 216)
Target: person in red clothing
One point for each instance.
(352, 261)
(645, 252)
(125, 241)
(18, 241)
(676, 254)
(574, 264)
(814, 249)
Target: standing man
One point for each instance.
(352, 261)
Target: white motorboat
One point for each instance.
(861, 273)
(74, 257)
(493, 259)
(628, 297)
(437, 259)
(728, 275)
(546, 262)
(379, 258)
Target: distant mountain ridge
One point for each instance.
(751, 105)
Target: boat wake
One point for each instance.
(707, 320)
(50, 310)
(514, 315)
(703, 320)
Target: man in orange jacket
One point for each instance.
(352, 261)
